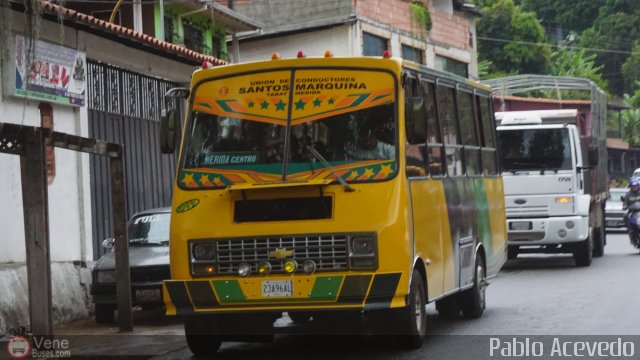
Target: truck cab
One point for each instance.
(543, 165)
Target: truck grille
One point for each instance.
(329, 252)
(526, 211)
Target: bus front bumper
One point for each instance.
(313, 292)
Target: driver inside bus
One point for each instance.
(369, 147)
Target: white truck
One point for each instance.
(554, 168)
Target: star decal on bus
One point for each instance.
(280, 105)
(300, 105)
(188, 180)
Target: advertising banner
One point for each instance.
(57, 74)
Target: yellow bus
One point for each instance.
(324, 186)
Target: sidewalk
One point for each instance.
(153, 334)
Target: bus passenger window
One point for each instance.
(433, 149)
(466, 112)
(450, 135)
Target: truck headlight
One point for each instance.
(106, 276)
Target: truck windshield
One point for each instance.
(535, 149)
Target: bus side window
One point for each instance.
(434, 147)
(450, 132)
(466, 115)
(415, 128)
(489, 153)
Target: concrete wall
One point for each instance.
(313, 44)
(69, 193)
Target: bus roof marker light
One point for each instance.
(300, 54)
(207, 65)
(275, 56)
(386, 54)
(328, 53)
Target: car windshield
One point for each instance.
(149, 230)
(535, 149)
(615, 195)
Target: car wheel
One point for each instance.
(200, 334)
(512, 252)
(105, 313)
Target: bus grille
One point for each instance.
(329, 252)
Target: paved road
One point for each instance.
(534, 295)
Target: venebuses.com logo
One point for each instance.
(38, 347)
(19, 347)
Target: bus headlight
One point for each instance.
(204, 251)
(309, 266)
(244, 269)
(363, 252)
(290, 266)
(264, 268)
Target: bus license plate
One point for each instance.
(277, 288)
(521, 225)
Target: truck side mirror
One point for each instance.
(168, 133)
(593, 155)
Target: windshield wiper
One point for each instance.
(326, 164)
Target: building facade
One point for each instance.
(438, 33)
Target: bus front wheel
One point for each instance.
(200, 334)
(413, 318)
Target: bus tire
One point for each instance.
(201, 337)
(105, 313)
(583, 252)
(473, 300)
(413, 318)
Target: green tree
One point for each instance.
(576, 63)
(614, 33)
(574, 15)
(631, 69)
(631, 118)
(511, 39)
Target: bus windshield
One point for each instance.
(345, 127)
(535, 149)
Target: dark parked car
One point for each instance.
(148, 260)
(613, 213)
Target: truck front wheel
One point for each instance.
(583, 252)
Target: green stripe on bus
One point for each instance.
(326, 287)
(483, 215)
(228, 291)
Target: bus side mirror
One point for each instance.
(622, 198)
(593, 155)
(168, 133)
